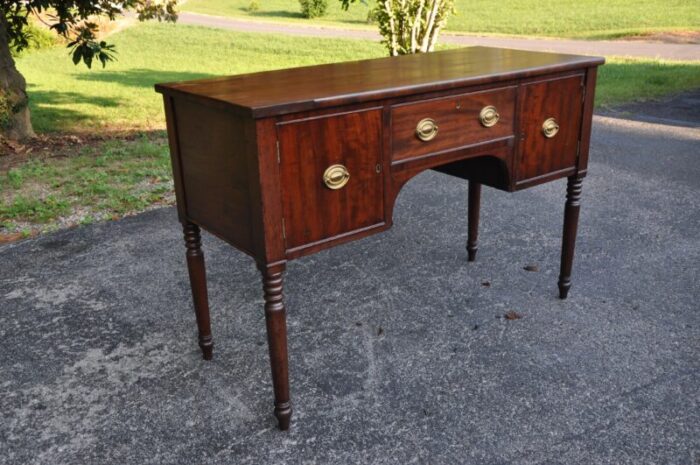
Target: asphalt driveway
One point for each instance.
(633, 48)
(399, 352)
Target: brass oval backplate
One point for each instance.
(550, 128)
(336, 176)
(489, 116)
(426, 129)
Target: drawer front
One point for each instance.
(557, 103)
(331, 176)
(458, 121)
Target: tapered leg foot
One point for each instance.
(571, 212)
(198, 282)
(207, 349)
(474, 206)
(283, 412)
(564, 289)
(276, 322)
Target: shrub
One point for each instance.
(313, 8)
(37, 38)
(409, 26)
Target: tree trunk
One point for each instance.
(15, 123)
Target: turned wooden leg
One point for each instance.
(198, 282)
(276, 320)
(474, 205)
(573, 205)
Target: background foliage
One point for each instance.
(313, 8)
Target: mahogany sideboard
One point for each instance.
(282, 164)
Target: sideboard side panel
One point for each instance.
(587, 119)
(175, 157)
(214, 171)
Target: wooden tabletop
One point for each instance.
(290, 90)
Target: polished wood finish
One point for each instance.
(249, 154)
(198, 283)
(457, 118)
(312, 211)
(276, 321)
(587, 120)
(175, 158)
(261, 94)
(571, 210)
(217, 198)
(473, 211)
(558, 98)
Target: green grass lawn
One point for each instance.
(564, 18)
(623, 80)
(119, 177)
(72, 98)
(97, 182)
(64, 97)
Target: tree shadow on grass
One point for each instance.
(51, 110)
(141, 77)
(54, 111)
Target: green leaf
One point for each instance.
(87, 58)
(77, 55)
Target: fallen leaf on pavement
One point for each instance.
(7, 238)
(512, 315)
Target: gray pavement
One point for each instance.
(631, 48)
(399, 353)
(682, 109)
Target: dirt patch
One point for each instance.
(13, 153)
(675, 37)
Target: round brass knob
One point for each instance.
(489, 116)
(427, 129)
(550, 128)
(336, 176)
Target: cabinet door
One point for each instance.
(352, 143)
(558, 101)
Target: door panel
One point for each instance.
(313, 211)
(561, 100)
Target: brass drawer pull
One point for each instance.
(550, 128)
(336, 176)
(489, 116)
(427, 129)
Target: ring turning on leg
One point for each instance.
(198, 282)
(276, 321)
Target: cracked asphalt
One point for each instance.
(399, 352)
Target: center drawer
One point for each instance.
(452, 122)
